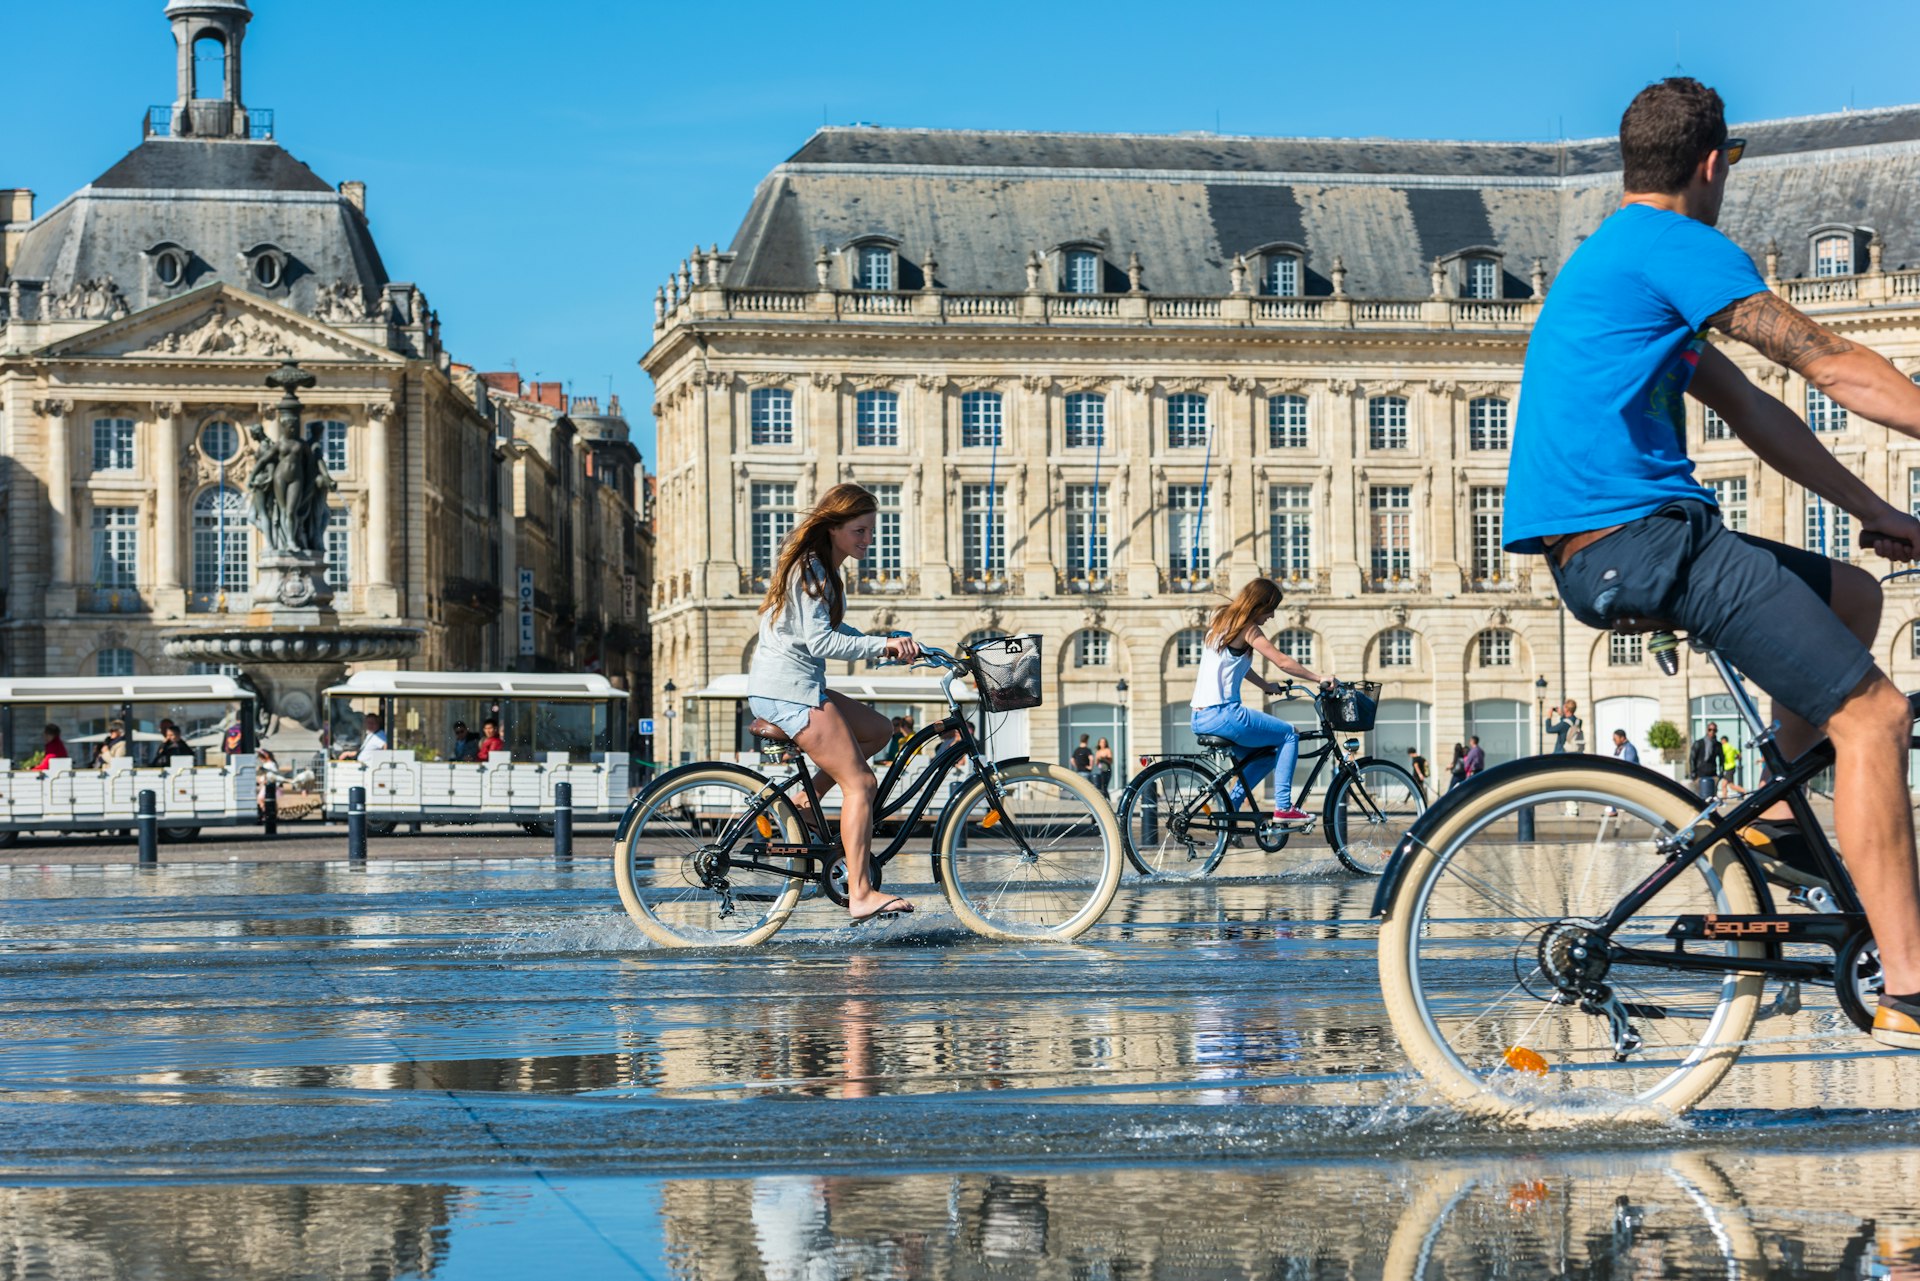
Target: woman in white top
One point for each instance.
(800, 629)
(1226, 658)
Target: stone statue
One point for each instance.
(289, 482)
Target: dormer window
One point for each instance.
(1283, 269)
(875, 268)
(1833, 256)
(1082, 272)
(266, 266)
(1480, 279)
(169, 264)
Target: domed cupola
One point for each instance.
(207, 35)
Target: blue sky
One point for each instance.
(538, 168)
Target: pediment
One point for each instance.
(217, 323)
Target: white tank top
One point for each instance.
(1221, 671)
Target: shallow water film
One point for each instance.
(468, 1069)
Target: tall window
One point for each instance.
(1287, 422)
(1283, 276)
(983, 532)
(1713, 426)
(1290, 530)
(1913, 491)
(339, 548)
(876, 418)
(1188, 642)
(333, 446)
(1626, 649)
(1396, 647)
(1186, 420)
(772, 520)
(770, 416)
(980, 419)
(1092, 648)
(222, 542)
(1482, 278)
(1496, 647)
(1487, 423)
(1087, 533)
(1823, 412)
(1296, 643)
(113, 662)
(876, 268)
(116, 546)
(1489, 514)
(1387, 422)
(883, 564)
(113, 444)
(1083, 272)
(1829, 528)
(1730, 493)
(1086, 420)
(1189, 540)
(1390, 512)
(1833, 256)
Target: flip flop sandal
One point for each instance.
(886, 909)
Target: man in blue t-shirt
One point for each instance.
(1601, 485)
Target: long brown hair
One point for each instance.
(813, 537)
(1229, 622)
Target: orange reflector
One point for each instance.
(765, 825)
(992, 819)
(1521, 1059)
(1523, 1197)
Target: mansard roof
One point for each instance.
(980, 202)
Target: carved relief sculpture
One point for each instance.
(219, 334)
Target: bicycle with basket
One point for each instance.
(716, 854)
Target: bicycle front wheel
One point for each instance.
(1369, 811)
(1042, 863)
(1173, 821)
(1479, 923)
(673, 861)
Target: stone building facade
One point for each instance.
(138, 319)
(1102, 381)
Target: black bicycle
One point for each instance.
(1616, 976)
(716, 854)
(1178, 818)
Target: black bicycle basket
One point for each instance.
(1007, 671)
(1352, 707)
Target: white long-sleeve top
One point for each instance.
(790, 662)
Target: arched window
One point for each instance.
(113, 662)
(1396, 647)
(222, 542)
(210, 67)
(1496, 647)
(1092, 648)
(1187, 644)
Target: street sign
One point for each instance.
(646, 725)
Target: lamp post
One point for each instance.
(1523, 821)
(1120, 692)
(668, 689)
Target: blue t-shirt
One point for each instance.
(1601, 435)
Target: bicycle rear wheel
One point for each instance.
(668, 854)
(1168, 818)
(1368, 811)
(1477, 920)
(1043, 864)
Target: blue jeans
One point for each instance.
(1253, 729)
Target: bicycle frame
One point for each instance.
(1252, 815)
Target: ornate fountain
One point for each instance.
(292, 645)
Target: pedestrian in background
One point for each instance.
(1476, 758)
(1623, 749)
(1418, 764)
(1082, 759)
(1705, 762)
(1103, 766)
(1457, 771)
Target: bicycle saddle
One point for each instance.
(768, 730)
(1214, 740)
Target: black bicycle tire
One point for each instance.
(1334, 820)
(1128, 799)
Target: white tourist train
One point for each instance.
(93, 784)
(552, 729)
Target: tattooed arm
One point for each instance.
(1857, 377)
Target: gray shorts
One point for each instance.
(1762, 605)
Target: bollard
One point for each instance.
(1524, 821)
(1150, 818)
(563, 820)
(270, 808)
(147, 821)
(357, 824)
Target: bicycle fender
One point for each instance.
(1452, 799)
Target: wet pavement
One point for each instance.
(477, 1067)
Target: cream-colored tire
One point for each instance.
(1043, 865)
(1461, 953)
(657, 858)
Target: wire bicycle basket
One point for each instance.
(1006, 669)
(1352, 707)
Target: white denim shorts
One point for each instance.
(789, 716)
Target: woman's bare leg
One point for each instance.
(832, 742)
(861, 719)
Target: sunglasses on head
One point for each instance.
(1732, 149)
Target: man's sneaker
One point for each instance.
(1897, 1023)
(1785, 855)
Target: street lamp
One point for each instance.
(1120, 730)
(1540, 708)
(668, 689)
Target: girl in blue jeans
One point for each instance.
(1233, 637)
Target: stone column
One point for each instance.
(59, 493)
(1346, 496)
(378, 458)
(165, 458)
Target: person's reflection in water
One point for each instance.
(857, 1013)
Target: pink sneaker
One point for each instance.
(1292, 814)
